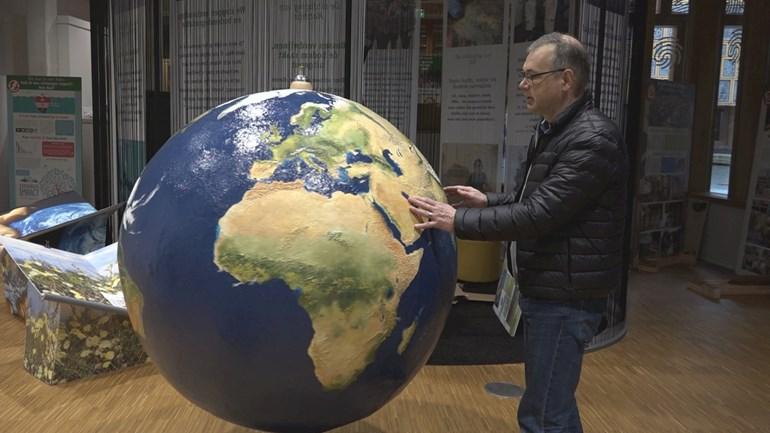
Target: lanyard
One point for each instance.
(510, 256)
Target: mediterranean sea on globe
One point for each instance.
(271, 267)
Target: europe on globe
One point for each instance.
(271, 266)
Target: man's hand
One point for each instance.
(437, 215)
(465, 196)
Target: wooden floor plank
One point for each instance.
(688, 364)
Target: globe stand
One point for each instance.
(300, 81)
(504, 390)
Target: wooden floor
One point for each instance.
(687, 365)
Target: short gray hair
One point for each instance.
(568, 53)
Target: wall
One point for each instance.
(41, 37)
(75, 8)
(722, 235)
(13, 49)
(13, 60)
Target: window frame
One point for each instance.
(734, 87)
(668, 19)
(706, 73)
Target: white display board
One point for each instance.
(44, 137)
(754, 254)
(474, 92)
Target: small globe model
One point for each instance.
(271, 267)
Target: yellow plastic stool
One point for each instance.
(478, 261)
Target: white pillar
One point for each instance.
(41, 37)
(73, 51)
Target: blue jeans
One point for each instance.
(555, 335)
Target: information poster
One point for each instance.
(665, 169)
(45, 137)
(531, 19)
(754, 256)
(473, 92)
(521, 123)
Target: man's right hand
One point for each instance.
(465, 196)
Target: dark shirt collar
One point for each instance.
(547, 128)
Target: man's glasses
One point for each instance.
(529, 78)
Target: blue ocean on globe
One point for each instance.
(271, 267)
(51, 216)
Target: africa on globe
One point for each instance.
(271, 266)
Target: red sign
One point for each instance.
(42, 102)
(59, 149)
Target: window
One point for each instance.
(666, 52)
(734, 7)
(727, 95)
(680, 7)
(724, 92)
(728, 68)
(676, 7)
(669, 34)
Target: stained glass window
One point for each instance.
(680, 7)
(666, 52)
(728, 68)
(734, 7)
(724, 92)
(730, 61)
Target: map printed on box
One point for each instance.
(69, 277)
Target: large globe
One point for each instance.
(271, 267)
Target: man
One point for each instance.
(568, 221)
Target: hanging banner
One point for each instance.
(129, 31)
(390, 56)
(307, 36)
(473, 92)
(754, 255)
(613, 56)
(212, 50)
(45, 137)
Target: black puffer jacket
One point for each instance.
(570, 220)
